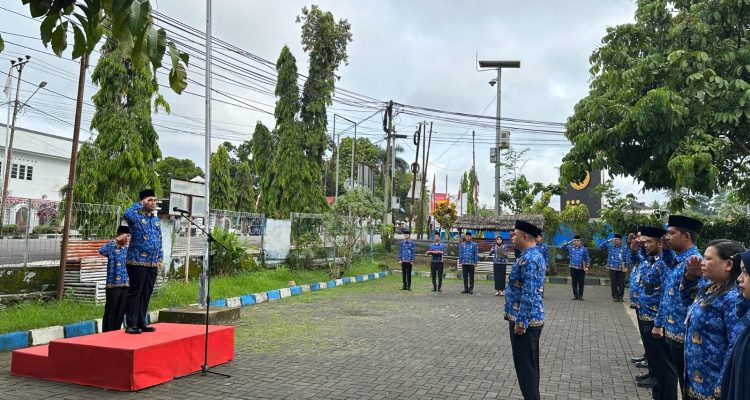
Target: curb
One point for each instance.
(491, 277)
(35, 337)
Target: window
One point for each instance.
(14, 171)
(22, 172)
(29, 170)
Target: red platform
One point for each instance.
(116, 360)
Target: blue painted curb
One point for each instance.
(14, 340)
(296, 290)
(346, 280)
(371, 276)
(359, 278)
(219, 303)
(331, 284)
(314, 287)
(274, 294)
(247, 299)
(79, 329)
(381, 274)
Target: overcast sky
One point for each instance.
(413, 52)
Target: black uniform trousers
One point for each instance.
(526, 360)
(677, 354)
(114, 308)
(467, 271)
(499, 270)
(578, 276)
(142, 280)
(436, 273)
(657, 354)
(406, 274)
(617, 283)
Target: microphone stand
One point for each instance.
(205, 369)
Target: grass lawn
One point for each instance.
(40, 314)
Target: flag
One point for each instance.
(432, 195)
(6, 89)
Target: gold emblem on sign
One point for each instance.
(583, 184)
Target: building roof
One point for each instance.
(31, 141)
(504, 222)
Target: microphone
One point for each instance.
(181, 211)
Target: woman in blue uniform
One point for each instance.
(735, 384)
(499, 255)
(712, 326)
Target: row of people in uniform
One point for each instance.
(468, 257)
(691, 310)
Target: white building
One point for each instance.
(39, 169)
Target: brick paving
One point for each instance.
(373, 341)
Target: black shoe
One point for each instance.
(409, 289)
(133, 331)
(147, 328)
(440, 290)
(403, 288)
(434, 290)
(471, 292)
(465, 291)
(637, 359)
(642, 377)
(575, 298)
(580, 298)
(642, 364)
(647, 383)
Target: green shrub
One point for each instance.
(234, 259)
(9, 229)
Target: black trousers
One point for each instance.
(578, 276)
(436, 273)
(526, 360)
(114, 308)
(617, 283)
(645, 350)
(406, 274)
(677, 354)
(498, 270)
(468, 273)
(657, 354)
(142, 280)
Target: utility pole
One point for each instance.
(473, 182)
(425, 161)
(388, 128)
(18, 65)
(71, 178)
(414, 171)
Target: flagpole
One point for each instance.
(5, 163)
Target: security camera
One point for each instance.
(493, 81)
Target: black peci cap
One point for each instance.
(687, 223)
(618, 236)
(146, 193)
(653, 232)
(577, 237)
(407, 232)
(528, 227)
(123, 229)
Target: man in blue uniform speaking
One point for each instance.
(524, 310)
(144, 259)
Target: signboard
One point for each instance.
(584, 192)
(187, 196)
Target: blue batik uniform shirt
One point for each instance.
(407, 251)
(653, 275)
(117, 274)
(615, 255)
(499, 253)
(672, 310)
(544, 250)
(145, 237)
(578, 255)
(468, 253)
(711, 332)
(437, 247)
(523, 295)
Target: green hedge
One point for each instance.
(736, 229)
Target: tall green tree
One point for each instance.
(325, 40)
(122, 158)
(223, 190)
(669, 100)
(245, 186)
(293, 183)
(263, 155)
(169, 168)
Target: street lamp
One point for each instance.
(498, 65)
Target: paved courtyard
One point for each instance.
(374, 341)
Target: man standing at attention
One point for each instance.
(616, 266)
(436, 265)
(524, 310)
(468, 257)
(406, 255)
(579, 265)
(143, 261)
